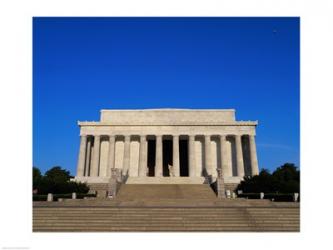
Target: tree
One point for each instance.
(58, 175)
(288, 177)
(36, 177)
(264, 182)
(285, 179)
(57, 181)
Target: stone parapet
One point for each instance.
(170, 123)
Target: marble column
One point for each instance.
(143, 156)
(82, 156)
(95, 164)
(253, 156)
(191, 154)
(127, 148)
(88, 158)
(224, 164)
(175, 155)
(208, 155)
(111, 154)
(239, 156)
(159, 156)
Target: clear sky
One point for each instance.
(83, 65)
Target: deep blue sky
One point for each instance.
(82, 65)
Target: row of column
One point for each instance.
(85, 151)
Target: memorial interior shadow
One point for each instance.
(167, 156)
(183, 157)
(151, 157)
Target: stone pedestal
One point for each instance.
(220, 184)
(115, 182)
(49, 197)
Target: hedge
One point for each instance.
(270, 196)
(43, 197)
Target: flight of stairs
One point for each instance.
(165, 191)
(152, 208)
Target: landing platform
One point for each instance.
(165, 191)
(158, 180)
(166, 180)
(164, 203)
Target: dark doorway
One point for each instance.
(183, 157)
(167, 156)
(151, 157)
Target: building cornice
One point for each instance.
(237, 123)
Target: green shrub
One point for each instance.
(285, 179)
(269, 196)
(56, 181)
(43, 197)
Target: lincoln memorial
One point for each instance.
(171, 146)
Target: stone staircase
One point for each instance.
(165, 191)
(152, 208)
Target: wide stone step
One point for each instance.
(208, 228)
(160, 191)
(240, 216)
(204, 215)
(188, 215)
(166, 211)
(163, 222)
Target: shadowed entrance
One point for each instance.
(183, 157)
(167, 156)
(151, 157)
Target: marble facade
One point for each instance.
(167, 146)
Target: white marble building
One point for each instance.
(167, 146)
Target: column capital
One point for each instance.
(84, 137)
(143, 138)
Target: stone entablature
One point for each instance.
(170, 123)
(87, 129)
(214, 140)
(165, 116)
